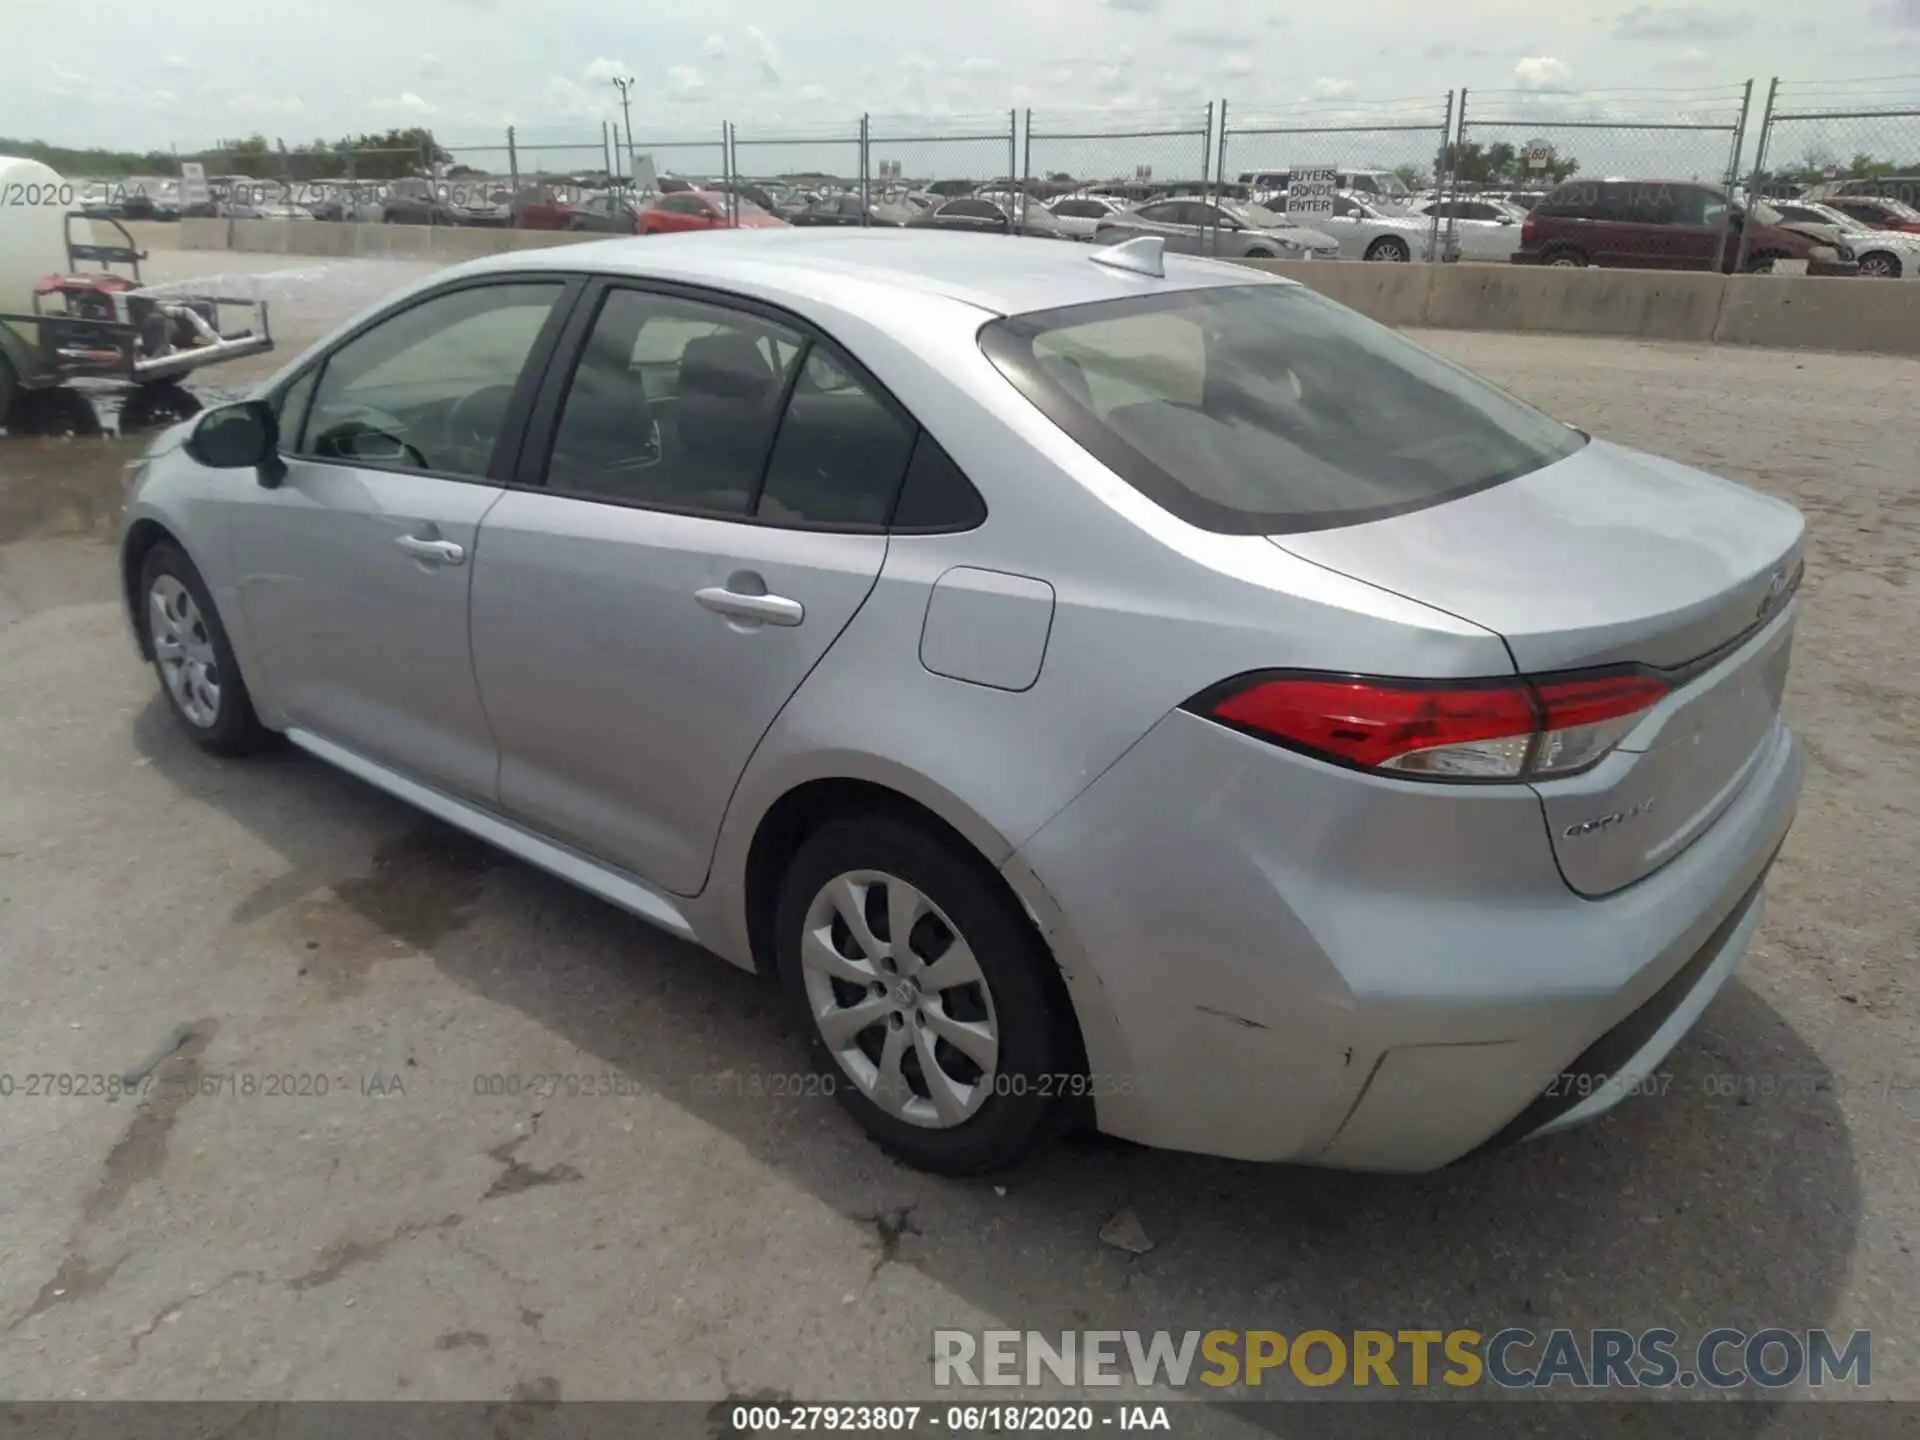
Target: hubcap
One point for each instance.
(184, 650)
(898, 997)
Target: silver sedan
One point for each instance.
(1370, 232)
(1227, 228)
(1099, 685)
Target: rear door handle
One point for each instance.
(432, 552)
(768, 609)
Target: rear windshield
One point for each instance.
(1265, 409)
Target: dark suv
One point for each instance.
(1660, 225)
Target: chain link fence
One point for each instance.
(1645, 159)
(1141, 156)
(1382, 153)
(781, 171)
(1845, 153)
(946, 159)
(680, 160)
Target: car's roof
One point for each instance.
(1007, 275)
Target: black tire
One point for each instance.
(1565, 257)
(1024, 1106)
(9, 387)
(1390, 248)
(1880, 264)
(236, 729)
(1257, 253)
(1762, 264)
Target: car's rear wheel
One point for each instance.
(1566, 258)
(1259, 252)
(1762, 264)
(923, 995)
(1390, 248)
(9, 383)
(193, 657)
(1880, 265)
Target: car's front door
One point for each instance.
(712, 514)
(354, 571)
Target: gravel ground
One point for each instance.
(403, 1236)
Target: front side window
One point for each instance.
(673, 404)
(1266, 408)
(428, 388)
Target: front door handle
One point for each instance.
(432, 552)
(768, 609)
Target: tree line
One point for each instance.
(391, 155)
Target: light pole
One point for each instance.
(624, 84)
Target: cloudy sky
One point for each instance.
(188, 72)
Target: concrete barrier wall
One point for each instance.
(1880, 316)
(1788, 311)
(1784, 311)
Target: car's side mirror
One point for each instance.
(242, 436)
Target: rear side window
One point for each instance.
(1267, 409)
(840, 452)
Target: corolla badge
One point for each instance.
(1608, 822)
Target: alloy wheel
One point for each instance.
(897, 996)
(184, 650)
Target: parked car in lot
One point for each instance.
(1080, 215)
(1662, 225)
(345, 201)
(413, 201)
(1880, 212)
(1904, 188)
(845, 210)
(541, 208)
(1230, 228)
(975, 216)
(1884, 254)
(1480, 229)
(1368, 232)
(1368, 766)
(687, 210)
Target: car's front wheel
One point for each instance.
(193, 657)
(924, 995)
(1390, 248)
(1880, 265)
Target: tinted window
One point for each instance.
(937, 494)
(1079, 210)
(672, 404)
(428, 388)
(1479, 210)
(1167, 212)
(682, 205)
(840, 453)
(1267, 408)
(973, 210)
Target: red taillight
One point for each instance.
(1500, 730)
(1529, 230)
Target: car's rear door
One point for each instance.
(353, 572)
(700, 510)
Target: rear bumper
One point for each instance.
(1284, 961)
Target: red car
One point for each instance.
(700, 210)
(1881, 212)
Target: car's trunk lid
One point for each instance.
(1610, 557)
